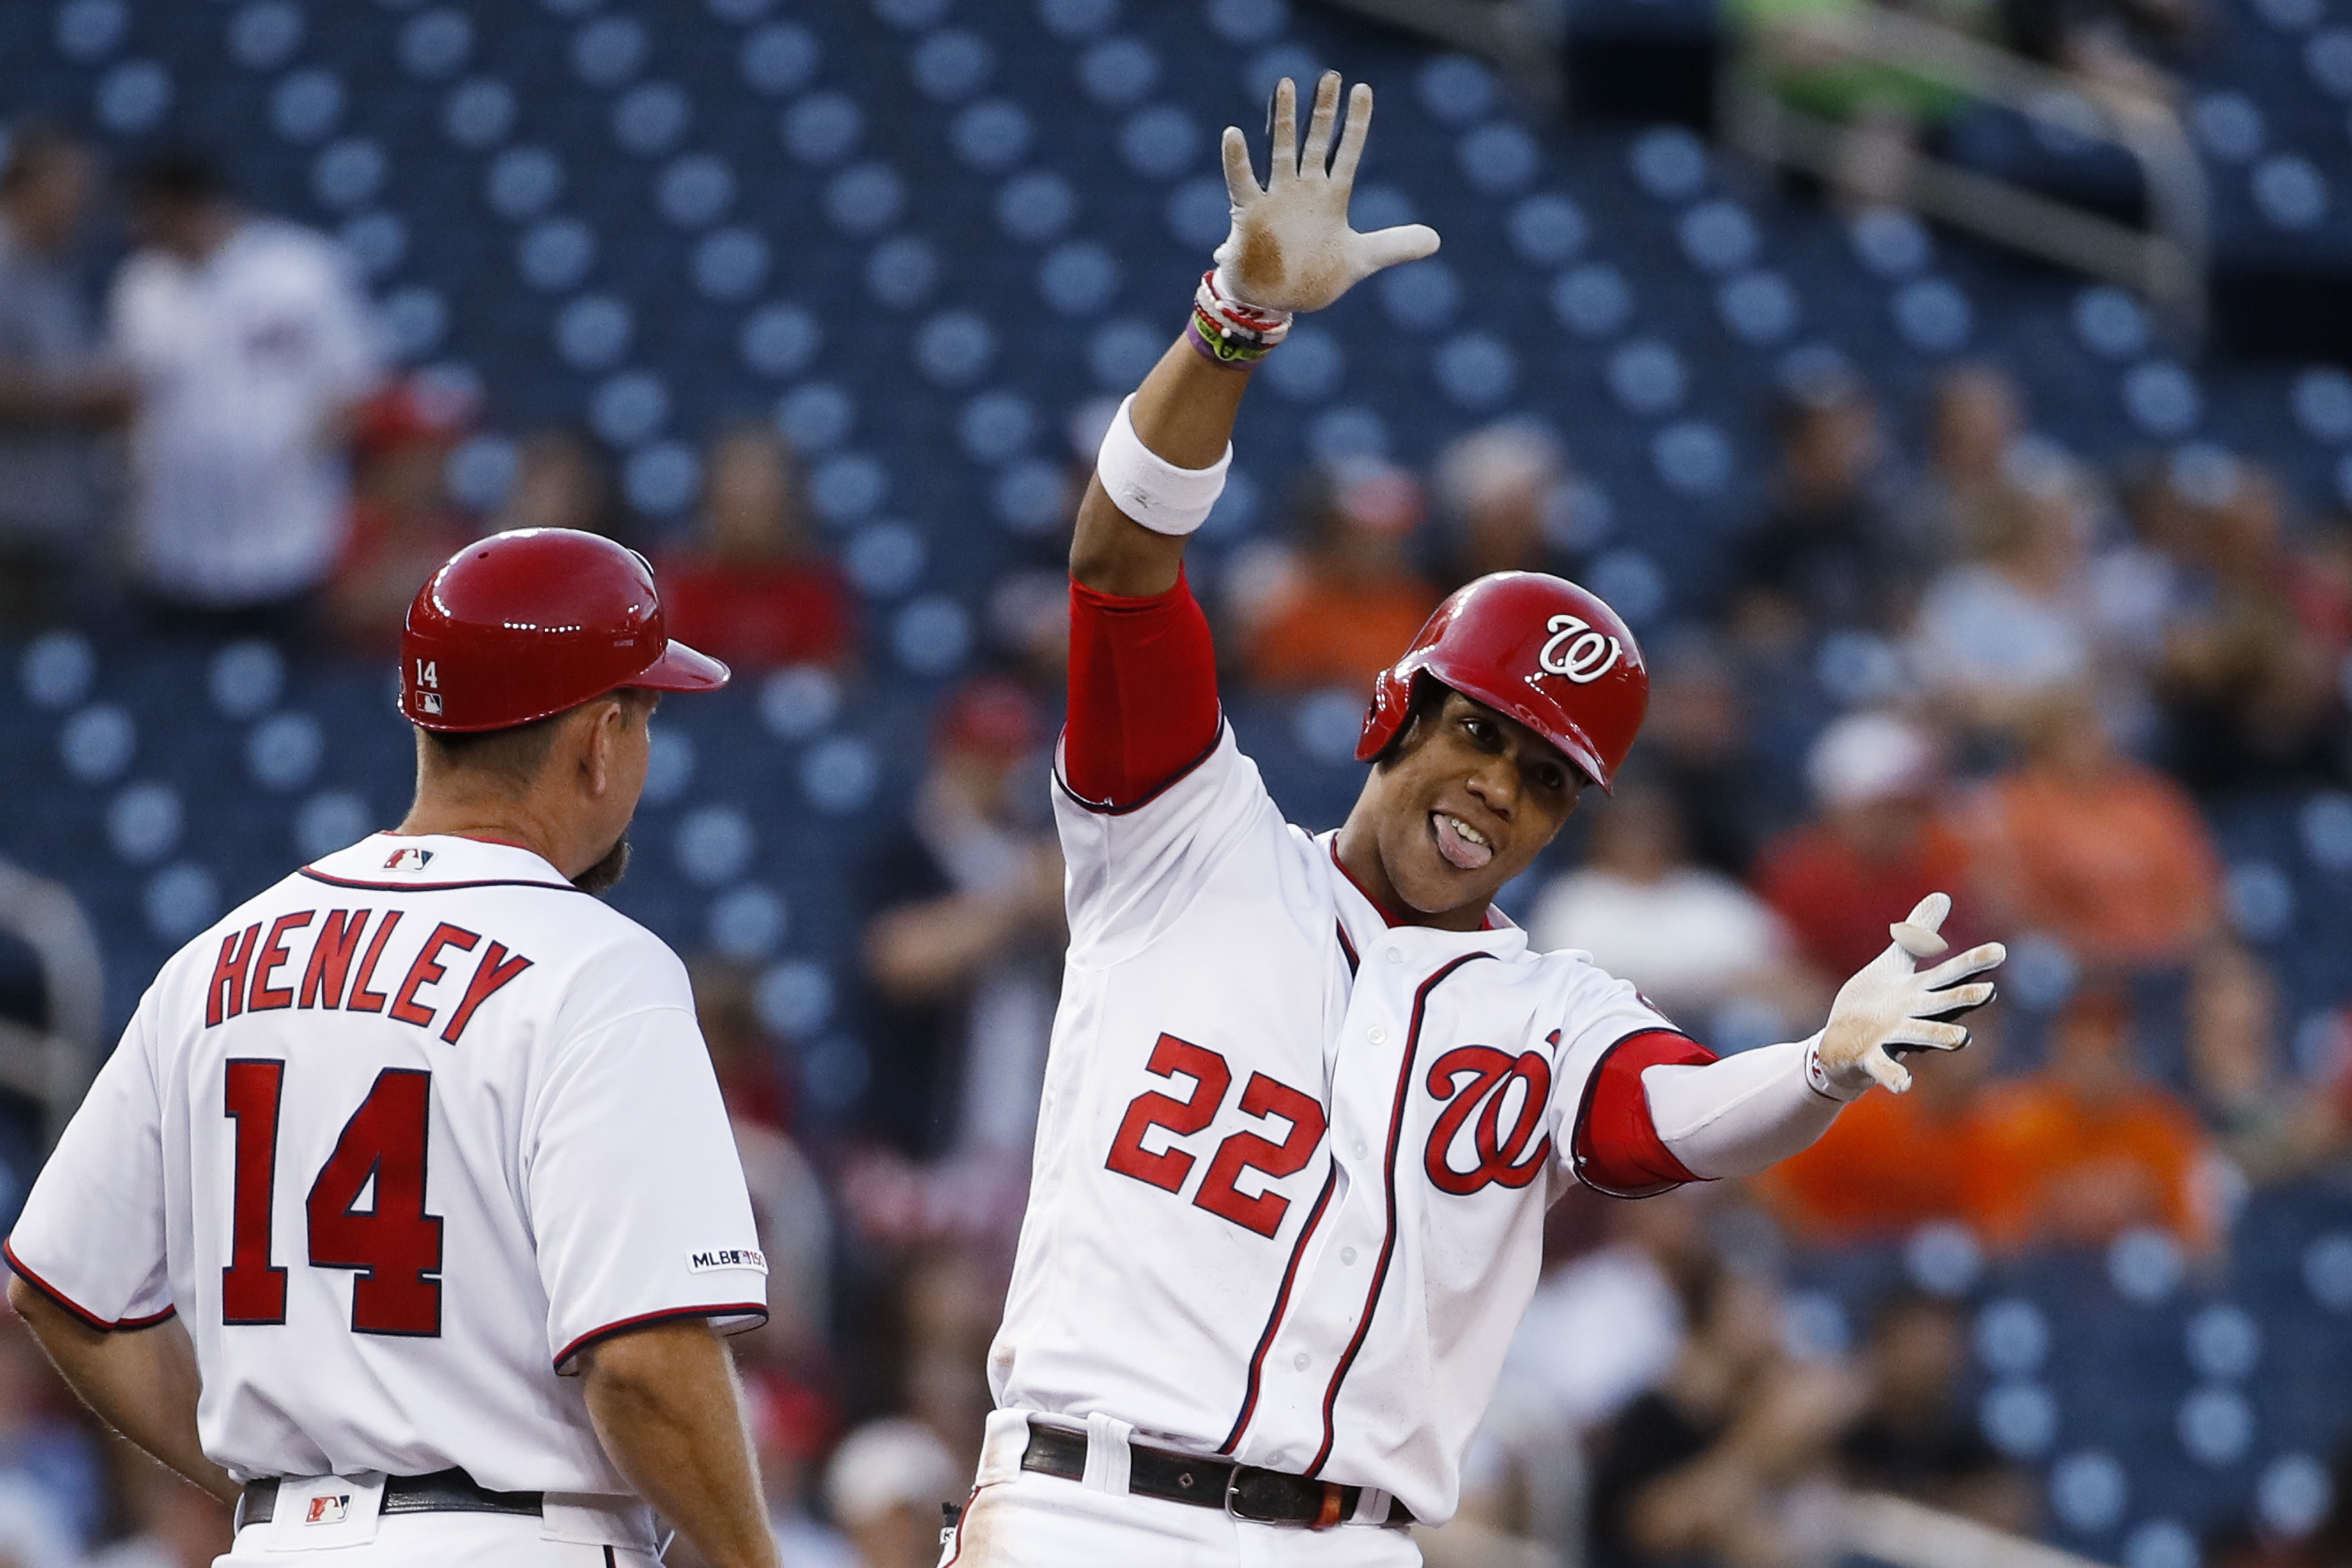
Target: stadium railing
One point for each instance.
(2165, 260)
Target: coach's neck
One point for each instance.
(563, 787)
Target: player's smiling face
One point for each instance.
(1468, 802)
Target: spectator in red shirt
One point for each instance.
(1347, 605)
(754, 588)
(2087, 1148)
(745, 1054)
(2321, 587)
(1889, 1163)
(1877, 847)
(404, 524)
(2099, 851)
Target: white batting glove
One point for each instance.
(1291, 249)
(1891, 1003)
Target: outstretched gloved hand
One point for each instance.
(1290, 247)
(1891, 1004)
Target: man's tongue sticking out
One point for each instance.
(1454, 842)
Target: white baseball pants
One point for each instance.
(1019, 1519)
(441, 1540)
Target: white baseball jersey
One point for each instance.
(1292, 1163)
(396, 1140)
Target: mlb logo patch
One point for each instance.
(409, 860)
(430, 701)
(315, 1513)
(749, 1258)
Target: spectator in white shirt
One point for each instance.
(252, 346)
(1995, 635)
(885, 1485)
(1702, 949)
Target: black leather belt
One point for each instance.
(443, 1491)
(1262, 1497)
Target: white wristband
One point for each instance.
(1149, 489)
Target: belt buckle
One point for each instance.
(1232, 1503)
(1328, 1515)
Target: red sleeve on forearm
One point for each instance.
(1617, 1147)
(1143, 693)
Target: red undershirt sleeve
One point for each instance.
(1143, 693)
(1617, 1147)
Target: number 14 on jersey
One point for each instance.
(392, 1246)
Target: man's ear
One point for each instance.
(601, 723)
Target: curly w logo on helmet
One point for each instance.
(1577, 650)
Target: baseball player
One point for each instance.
(406, 1211)
(1309, 1096)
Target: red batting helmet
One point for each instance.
(519, 626)
(1537, 648)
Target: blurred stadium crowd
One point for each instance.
(2090, 1281)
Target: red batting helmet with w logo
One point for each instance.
(1536, 648)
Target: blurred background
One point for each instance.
(1951, 395)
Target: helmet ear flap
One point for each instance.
(1397, 703)
(1384, 718)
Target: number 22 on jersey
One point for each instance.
(392, 1246)
(1220, 1192)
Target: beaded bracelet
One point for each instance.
(1227, 332)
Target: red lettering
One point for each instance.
(330, 958)
(362, 999)
(490, 976)
(1219, 1193)
(1211, 1078)
(1492, 1073)
(252, 1291)
(427, 969)
(225, 999)
(1494, 1151)
(274, 955)
(393, 1243)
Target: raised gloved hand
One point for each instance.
(1290, 247)
(1890, 1004)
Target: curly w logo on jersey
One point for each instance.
(1484, 1087)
